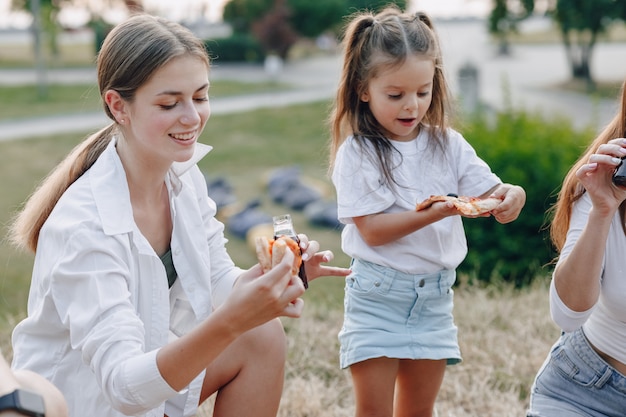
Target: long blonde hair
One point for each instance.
(371, 43)
(572, 189)
(131, 53)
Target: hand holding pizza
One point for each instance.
(504, 202)
(513, 199)
(467, 206)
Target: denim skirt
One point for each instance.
(396, 315)
(575, 381)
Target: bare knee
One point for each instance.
(53, 398)
(267, 343)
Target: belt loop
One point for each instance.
(604, 378)
(443, 281)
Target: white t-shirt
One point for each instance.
(423, 169)
(605, 323)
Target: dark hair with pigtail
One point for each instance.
(372, 43)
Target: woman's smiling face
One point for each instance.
(169, 112)
(399, 97)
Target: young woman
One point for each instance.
(391, 148)
(585, 371)
(135, 307)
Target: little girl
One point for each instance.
(390, 149)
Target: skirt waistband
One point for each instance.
(444, 279)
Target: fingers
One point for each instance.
(294, 308)
(614, 147)
(586, 170)
(308, 247)
(514, 198)
(281, 287)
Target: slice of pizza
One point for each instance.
(469, 206)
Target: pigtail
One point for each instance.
(343, 115)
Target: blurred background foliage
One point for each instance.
(276, 25)
(525, 149)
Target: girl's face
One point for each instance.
(169, 112)
(400, 96)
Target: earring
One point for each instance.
(122, 121)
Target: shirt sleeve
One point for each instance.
(360, 187)
(90, 288)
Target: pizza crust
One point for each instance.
(469, 206)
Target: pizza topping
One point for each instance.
(469, 206)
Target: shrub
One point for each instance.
(237, 48)
(535, 153)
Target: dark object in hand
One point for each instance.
(619, 177)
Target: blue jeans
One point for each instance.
(575, 381)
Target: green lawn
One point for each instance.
(26, 101)
(246, 148)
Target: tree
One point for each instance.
(580, 23)
(504, 18)
(242, 13)
(274, 31)
(305, 17)
(328, 16)
(48, 11)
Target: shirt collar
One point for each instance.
(110, 188)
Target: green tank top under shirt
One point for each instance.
(170, 271)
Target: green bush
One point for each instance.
(237, 48)
(526, 150)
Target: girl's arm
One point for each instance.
(382, 228)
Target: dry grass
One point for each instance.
(504, 336)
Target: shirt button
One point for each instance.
(177, 251)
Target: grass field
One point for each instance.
(504, 334)
(25, 101)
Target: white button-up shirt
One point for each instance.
(99, 306)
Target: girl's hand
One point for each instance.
(513, 200)
(597, 176)
(313, 260)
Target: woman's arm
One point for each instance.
(258, 298)
(577, 277)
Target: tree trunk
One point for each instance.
(579, 57)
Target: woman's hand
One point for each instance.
(259, 297)
(313, 259)
(597, 176)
